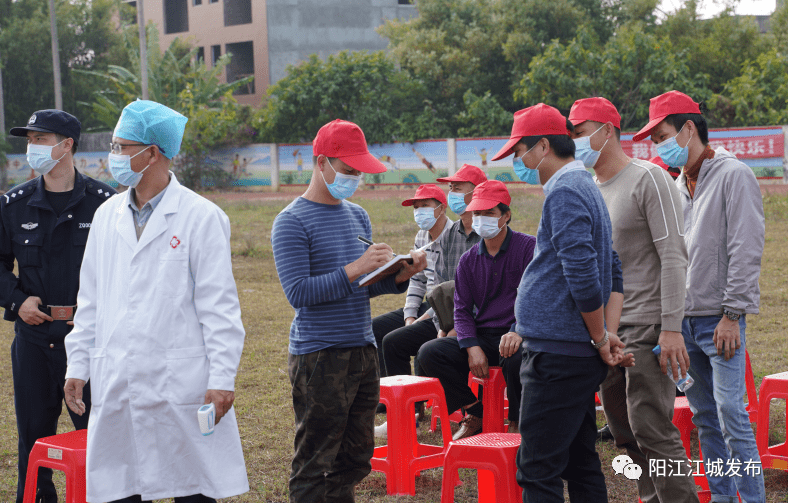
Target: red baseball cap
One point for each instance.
(427, 191)
(467, 173)
(594, 109)
(670, 103)
(538, 120)
(345, 141)
(488, 195)
(659, 162)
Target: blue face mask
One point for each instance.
(584, 152)
(120, 168)
(343, 185)
(425, 218)
(457, 202)
(528, 175)
(671, 153)
(486, 227)
(39, 157)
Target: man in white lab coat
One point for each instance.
(158, 331)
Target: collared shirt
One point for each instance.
(454, 242)
(572, 166)
(422, 282)
(141, 216)
(485, 287)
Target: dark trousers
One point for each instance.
(39, 376)
(558, 428)
(445, 359)
(196, 498)
(335, 393)
(394, 321)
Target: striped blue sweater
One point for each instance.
(312, 244)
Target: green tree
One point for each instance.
(717, 47)
(632, 67)
(482, 116)
(759, 96)
(87, 31)
(365, 88)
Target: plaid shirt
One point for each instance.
(422, 282)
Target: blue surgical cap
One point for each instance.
(152, 123)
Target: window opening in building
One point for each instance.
(196, 2)
(176, 16)
(237, 12)
(216, 53)
(241, 65)
(201, 55)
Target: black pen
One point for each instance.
(370, 243)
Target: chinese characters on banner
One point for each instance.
(744, 143)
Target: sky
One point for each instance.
(710, 8)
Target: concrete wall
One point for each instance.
(298, 28)
(206, 28)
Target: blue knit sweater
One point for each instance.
(574, 268)
(312, 244)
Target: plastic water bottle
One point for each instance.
(683, 384)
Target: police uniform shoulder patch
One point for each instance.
(19, 192)
(100, 189)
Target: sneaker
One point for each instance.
(381, 431)
(469, 426)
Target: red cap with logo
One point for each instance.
(538, 120)
(670, 103)
(488, 195)
(427, 191)
(345, 141)
(594, 109)
(467, 173)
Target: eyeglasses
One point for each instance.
(117, 148)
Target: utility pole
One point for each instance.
(55, 55)
(4, 166)
(143, 50)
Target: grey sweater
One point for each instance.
(648, 234)
(724, 231)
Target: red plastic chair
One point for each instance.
(494, 402)
(404, 457)
(772, 456)
(65, 452)
(494, 456)
(493, 399)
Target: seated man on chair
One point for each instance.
(485, 290)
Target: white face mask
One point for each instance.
(39, 157)
(486, 227)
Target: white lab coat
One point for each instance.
(158, 324)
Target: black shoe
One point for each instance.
(604, 433)
(381, 408)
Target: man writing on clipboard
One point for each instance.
(333, 364)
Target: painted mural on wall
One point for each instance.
(423, 161)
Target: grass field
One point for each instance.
(263, 403)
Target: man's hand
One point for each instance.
(612, 353)
(418, 265)
(410, 321)
(510, 343)
(727, 338)
(452, 333)
(671, 345)
(30, 313)
(477, 361)
(221, 399)
(375, 256)
(73, 392)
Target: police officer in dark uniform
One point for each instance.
(44, 225)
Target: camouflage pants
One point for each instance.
(335, 393)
